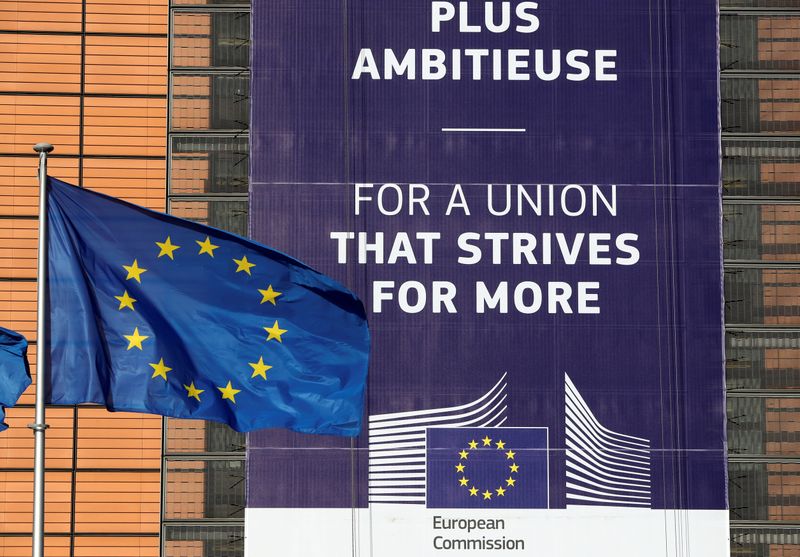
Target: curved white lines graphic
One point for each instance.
(603, 467)
(397, 443)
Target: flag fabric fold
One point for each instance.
(152, 313)
(14, 374)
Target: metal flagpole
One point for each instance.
(39, 426)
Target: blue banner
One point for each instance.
(526, 195)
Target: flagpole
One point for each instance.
(39, 426)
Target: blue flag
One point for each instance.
(152, 313)
(14, 374)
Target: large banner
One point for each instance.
(526, 196)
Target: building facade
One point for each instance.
(147, 100)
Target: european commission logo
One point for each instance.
(458, 457)
(487, 468)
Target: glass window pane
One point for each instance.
(763, 360)
(762, 296)
(197, 436)
(759, 42)
(763, 491)
(764, 232)
(205, 164)
(765, 106)
(227, 215)
(764, 426)
(210, 102)
(766, 168)
(211, 39)
(203, 541)
(204, 489)
(765, 542)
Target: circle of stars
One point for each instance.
(474, 490)
(160, 370)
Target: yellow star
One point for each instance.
(463, 455)
(244, 265)
(193, 392)
(167, 248)
(510, 455)
(206, 247)
(501, 444)
(473, 444)
(473, 492)
(275, 332)
(514, 467)
(134, 271)
(511, 481)
(500, 491)
(229, 392)
(487, 494)
(160, 370)
(269, 295)
(125, 301)
(135, 339)
(486, 441)
(460, 467)
(260, 368)
(463, 481)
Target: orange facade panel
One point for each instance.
(781, 296)
(21, 546)
(118, 439)
(186, 436)
(19, 186)
(118, 546)
(16, 501)
(99, 494)
(777, 39)
(192, 210)
(18, 307)
(191, 44)
(41, 15)
(117, 16)
(140, 181)
(16, 443)
(25, 120)
(780, 172)
(126, 65)
(18, 250)
(40, 63)
(780, 232)
(125, 126)
(191, 102)
(190, 173)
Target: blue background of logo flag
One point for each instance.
(487, 467)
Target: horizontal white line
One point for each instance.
(397, 475)
(397, 468)
(599, 500)
(396, 499)
(400, 460)
(397, 491)
(397, 483)
(376, 456)
(515, 130)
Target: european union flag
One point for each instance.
(151, 313)
(14, 375)
(487, 468)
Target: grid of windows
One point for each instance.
(88, 76)
(209, 82)
(760, 86)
